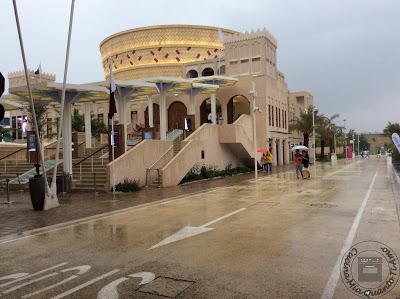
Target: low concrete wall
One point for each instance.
(205, 139)
(133, 164)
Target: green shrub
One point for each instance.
(207, 172)
(128, 186)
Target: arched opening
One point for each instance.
(207, 72)
(156, 116)
(237, 106)
(192, 74)
(205, 111)
(176, 116)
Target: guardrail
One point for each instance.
(9, 155)
(157, 165)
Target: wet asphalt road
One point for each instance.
(278, 237)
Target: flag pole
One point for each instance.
(113, 154)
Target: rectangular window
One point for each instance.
(269, 114)
(285, 120)
(279, 114)
(100, 117)
(272, 113)
(49, 128)
(276, 120)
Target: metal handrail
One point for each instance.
(8, 155)
(167, 152)
(91, 155)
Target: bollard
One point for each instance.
(8, 192)
(94, 183)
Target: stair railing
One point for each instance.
(157, 165)
(91, 156)
(9, 155)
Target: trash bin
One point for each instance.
(37, 192)
(64, 183)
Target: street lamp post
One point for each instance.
(345, 140)
(353, 145)
(256, 109)
(313, 133)
(358, 144)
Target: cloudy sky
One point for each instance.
(345, 52)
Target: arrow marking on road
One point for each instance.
(190, 231)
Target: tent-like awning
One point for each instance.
(138, 88)
(180, 85)
(51, 91)
(11, 102)
(221, 81)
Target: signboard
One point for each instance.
(31, 143)
(115, 141)
(5, 122)
(148, 135)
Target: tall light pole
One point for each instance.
(313, 133)
(353, 144)
(256, 109)
(345, 140)
(358, 144)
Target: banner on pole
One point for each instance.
(396, 140)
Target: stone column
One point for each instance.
(192, 103)
(150, 110)
(274, 160)
(88, 125)
(163, 113)
(213, 108)
(280, 150)
(287, 152)
(67, 139)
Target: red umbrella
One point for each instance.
(263, 150)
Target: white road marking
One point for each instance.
(13, 276)
(145, 276)
(81, 269)
(31, 275)
(84, 285)
(28, 283)
(190, 231)
(333, 279)
(50, 287)
(110, 291)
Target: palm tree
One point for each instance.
(327, 130)
(304, 124)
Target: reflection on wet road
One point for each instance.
(278, 237)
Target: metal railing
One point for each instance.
(156, 167)
(91, 156)
(9, 155)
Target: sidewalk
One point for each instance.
(19, 216)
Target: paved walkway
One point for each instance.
(19, 217)
(277, 237)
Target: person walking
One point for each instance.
(306, 164)
(268, 162)
(298, 165)
(263, 162)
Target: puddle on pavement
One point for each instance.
(322, 205)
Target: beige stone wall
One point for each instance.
(133, 164)
(377, 141)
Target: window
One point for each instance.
(269, 114)
(285, 120)
(276, 120)
(100, 117)
(49, 127)
(203, 154)
(279, 113)
(272, 113)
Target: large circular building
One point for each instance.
(160, 50)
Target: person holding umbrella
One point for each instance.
(266, 159)
(298, 159)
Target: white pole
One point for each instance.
(30, 96)
(60, 122)
(253, 93)
(313, 132)
(345, 141)
(353, 145)
(112, 151)
(358, 144)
